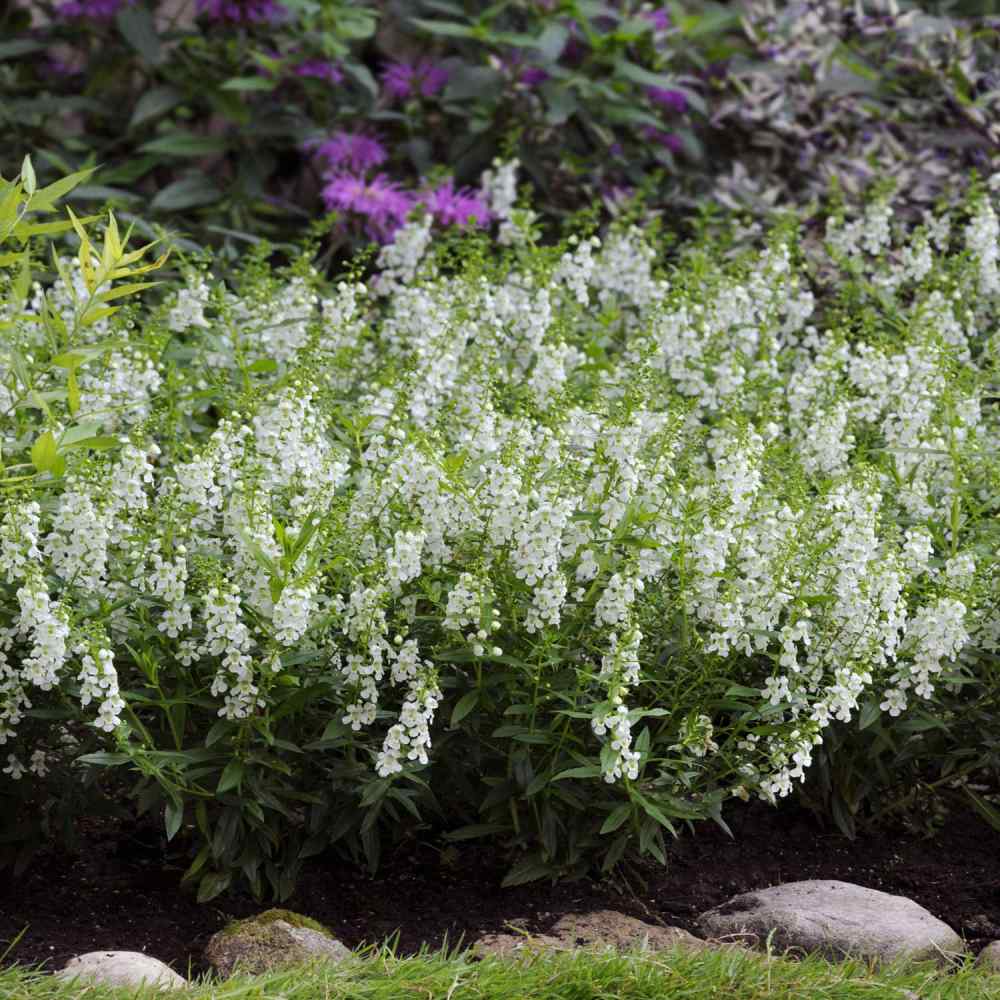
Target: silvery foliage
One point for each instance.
(857, 92)
(685, 488)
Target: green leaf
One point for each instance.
(739, 691)
(655, 812)
(552, 41)
(588, 771)
(104, 759)
(476, 830)
(245, 83)
(712, 19)
(615, 852)
(154, 103)
(188, 192)
(77, 433)
(362, 76)
(263, 365)
(185, 144)
(211, 885)
(19, 47)
(642, 76)
(72, 394)
(531, 869)
(232, 777)
(560, 101)
(28, 176)
(334, 729)
(446, 29)
(45, 454)
(617, 817)
(474, 82)
(138, 29)
(870, 713)
(989, 812)
(199, 862)
(45, 198)
(464, 706)
(173, 816)
(120, 291)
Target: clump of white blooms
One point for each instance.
(499, 188)
(227, 637)
(188, 309)
(582, 468)
(99, 682)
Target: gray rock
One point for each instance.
(602, 928)
(272, 939)
(122, 968)
(989, 957)
(834, 919)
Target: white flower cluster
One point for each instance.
(188, 309)
(499, 188)
(609, 473)
(226, 635)
(620, 669)
(99, 680)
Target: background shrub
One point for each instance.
(233, 120)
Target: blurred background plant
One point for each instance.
(248, 119)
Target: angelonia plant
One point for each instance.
(563, 545)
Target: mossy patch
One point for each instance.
(270, 916)
(270, 940)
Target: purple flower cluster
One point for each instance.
(319, 69)
(666, 139)
(453, 207)
(384, 205)
(381, 201)
(403, 80)
(660, 18)
(673, 100)
(242, 11)
(97, 10)
(355, 150)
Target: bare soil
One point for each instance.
(118, 892)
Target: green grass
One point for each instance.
(570, 976)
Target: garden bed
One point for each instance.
(121, 891)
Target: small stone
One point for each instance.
(834, 919)
(503, 945)
(610, 928)
(122, 968)
(989, 957)
(601, 928)
(272, 939)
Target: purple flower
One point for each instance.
(666, 139)
(672, 99)
(59, 67)
(320, 69)
(532, 76)
(521, 72)
(574, 50)
(98, 10)
(242, 11)
(660, 18)
(403, 80)
(451, 207)
(379, 199)
(351, 149)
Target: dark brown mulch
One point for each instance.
(118, 893)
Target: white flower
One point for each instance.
(14, 767)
